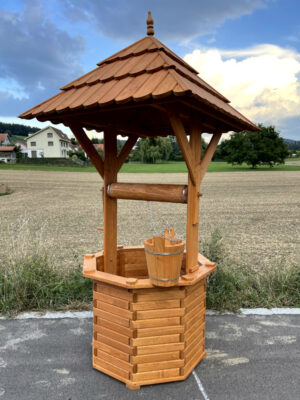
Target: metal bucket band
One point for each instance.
(164, 254)
(164, 279)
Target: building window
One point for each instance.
(50, 143)
(32, 143)
(50, 134)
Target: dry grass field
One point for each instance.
(257, 213)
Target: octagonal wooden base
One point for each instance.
(143, 334)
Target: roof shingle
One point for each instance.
(144, 70)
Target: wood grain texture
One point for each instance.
(208, 155)
(184, 145)
(88, 147)
(110, 205)
(192, 223)
(125, 151)
(149, 192)
(157, 357)
(146, 336)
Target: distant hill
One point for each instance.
(17, 129)
(293, 145)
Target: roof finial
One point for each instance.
(150, 22)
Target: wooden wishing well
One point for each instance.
(144, 334)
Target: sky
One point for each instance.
(249, 50)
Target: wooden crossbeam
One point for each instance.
(208, 155)
(125, 151)
(88, 147)
(184, 145)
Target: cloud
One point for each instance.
(36, 58)
(263, 81)
(173, 19)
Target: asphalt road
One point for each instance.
(248, 357)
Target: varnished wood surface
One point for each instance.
(147, 344)
(110, 205)
(149, 192)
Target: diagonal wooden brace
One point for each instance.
(88, 147)
(184, 145)
(125, 151)
(208, 155)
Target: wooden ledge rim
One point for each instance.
(206, 267)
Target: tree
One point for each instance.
(255, 148)
(176, 154)
(18, 152)
(154, 149)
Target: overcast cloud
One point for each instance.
(174, 19)
(36, 57)
(261, 81)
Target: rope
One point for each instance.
(154, 226)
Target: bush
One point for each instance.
(35, 285)
(234, 286)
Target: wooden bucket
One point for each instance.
(164, 259)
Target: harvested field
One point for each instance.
(258, 214)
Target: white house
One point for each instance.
(49, 142)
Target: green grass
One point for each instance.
(167, 167)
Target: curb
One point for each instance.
(89, 314)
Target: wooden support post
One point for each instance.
(88, 147)
(192, 226)
(110, 205)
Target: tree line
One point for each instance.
(264, 147)
(17, 129)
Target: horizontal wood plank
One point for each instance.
(165, 330)
(200, 292)
(152, 323)
(114, 291)
(193, 362)
(111, 350)
(111, 317)
(114, 343)
(196, 325)
(160, 295)
(160, 365)
(114, 327)
(112, 334)
(192, 347)
(126, 366)
(115, 301)
(194, 333)
(149, 314)
(145, 341)
(156, 305)
(159, 348)
(192, 288)
(148, 358)
(144, 376)
(112, 368)
(113, 309)
(197, 303)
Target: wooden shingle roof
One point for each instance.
(144, 72)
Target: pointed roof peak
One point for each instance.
(150, 23)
